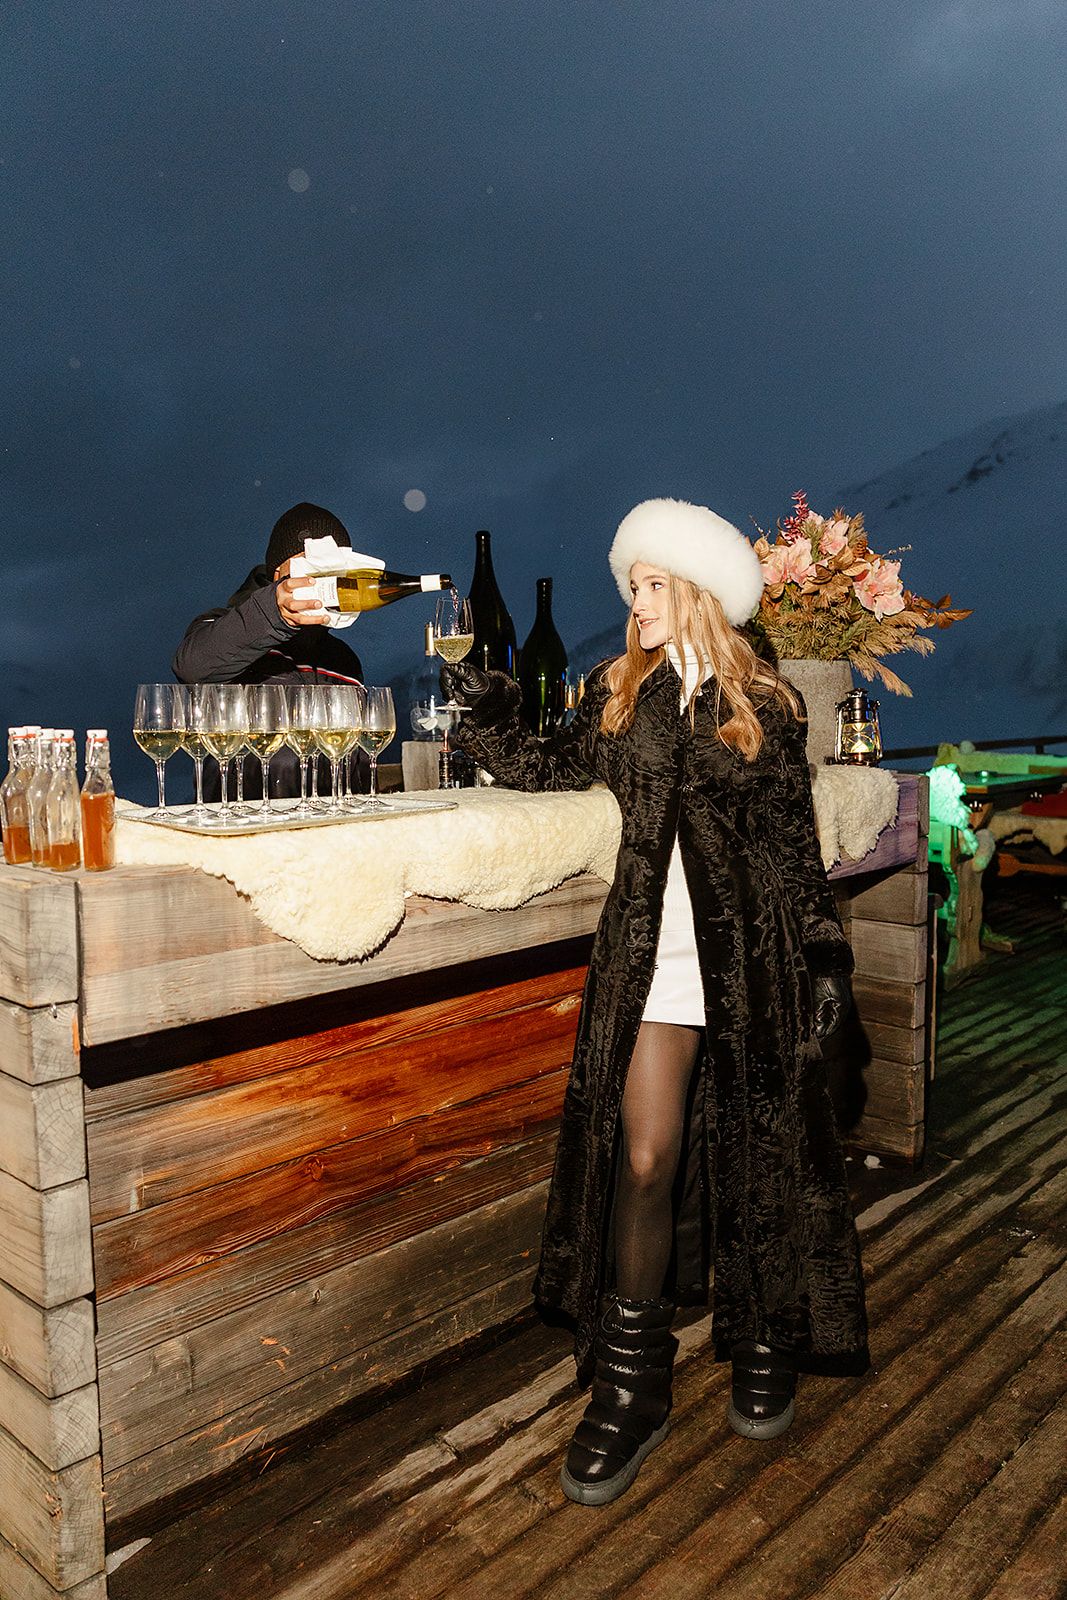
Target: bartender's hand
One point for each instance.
(464, 682)
(295, 612)
(832, 994)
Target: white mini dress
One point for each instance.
(677, 993)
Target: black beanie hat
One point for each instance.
(302, 522)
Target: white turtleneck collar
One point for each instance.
(687, 666)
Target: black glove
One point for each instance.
(464, 682)
(832, 994)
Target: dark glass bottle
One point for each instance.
(543, 667)
(494, 632)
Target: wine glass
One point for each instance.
(356, 704)
(453, 636)
(192, 700)
(337, 734)
(300, 737)
(376, 730)
(158, 728)
(453, 629)
(268, 725)
(225, 731)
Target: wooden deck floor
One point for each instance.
(938, 1476)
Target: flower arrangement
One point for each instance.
(828, 597)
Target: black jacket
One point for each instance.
(766, 1198)
(246, 641)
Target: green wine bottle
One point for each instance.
(543, 668)
(494, 632)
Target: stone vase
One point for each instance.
(823, 684)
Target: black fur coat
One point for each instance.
(763, 1197)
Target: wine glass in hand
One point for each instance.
(376, 730)
(158, 726)
(453, 629)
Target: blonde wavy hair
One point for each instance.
(742, 679)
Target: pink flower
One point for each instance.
(834, 537)
(798, 562)
(880, 589)
(774, 564)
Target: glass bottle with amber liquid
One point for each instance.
(63, 810)
(98, 804)
(37, 796)
(14, 810)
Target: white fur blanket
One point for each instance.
(339, 892)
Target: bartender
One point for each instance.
(266, 633)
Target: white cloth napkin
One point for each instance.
(322, 556)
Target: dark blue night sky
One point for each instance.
(537, 261)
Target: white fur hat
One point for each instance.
(690, 542)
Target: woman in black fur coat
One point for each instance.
(697, 1130)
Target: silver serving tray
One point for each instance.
(181, 820)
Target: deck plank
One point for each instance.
(939, 1473)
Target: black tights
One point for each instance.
(653, 1117)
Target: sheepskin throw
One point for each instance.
(339, 892)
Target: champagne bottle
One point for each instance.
(367, 589)
(494, 632)
(98, 804)
(543, 667)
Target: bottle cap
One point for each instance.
(96, 733)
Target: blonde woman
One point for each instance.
(697, 1131)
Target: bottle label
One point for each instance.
(324, 590)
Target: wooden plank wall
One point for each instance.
(295, 1208)
(51, 1508)
(884, 1059)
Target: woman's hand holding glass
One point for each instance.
(158, 727)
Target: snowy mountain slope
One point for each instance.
(982, 514)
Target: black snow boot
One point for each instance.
(628, 1413)
(764, 1383)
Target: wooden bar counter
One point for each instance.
(239, 1187)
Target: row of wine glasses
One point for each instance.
(225, 719)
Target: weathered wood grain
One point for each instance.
(207, 1450)
(887, 1137)
(900, 1005)
(54, 1519)
(47, 1253)
(905, 1045)
(897, 897)
(197, 1378)
(149, 1157)
(58, 1431)
(20, 1581)
(163, 947)
(38, 937)
(131, 1075)
(39, 1045)
(204, 1227)
(53, 1349)
(142, 1317)
(42, 1131)
(895, 1092)
(892, 951)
